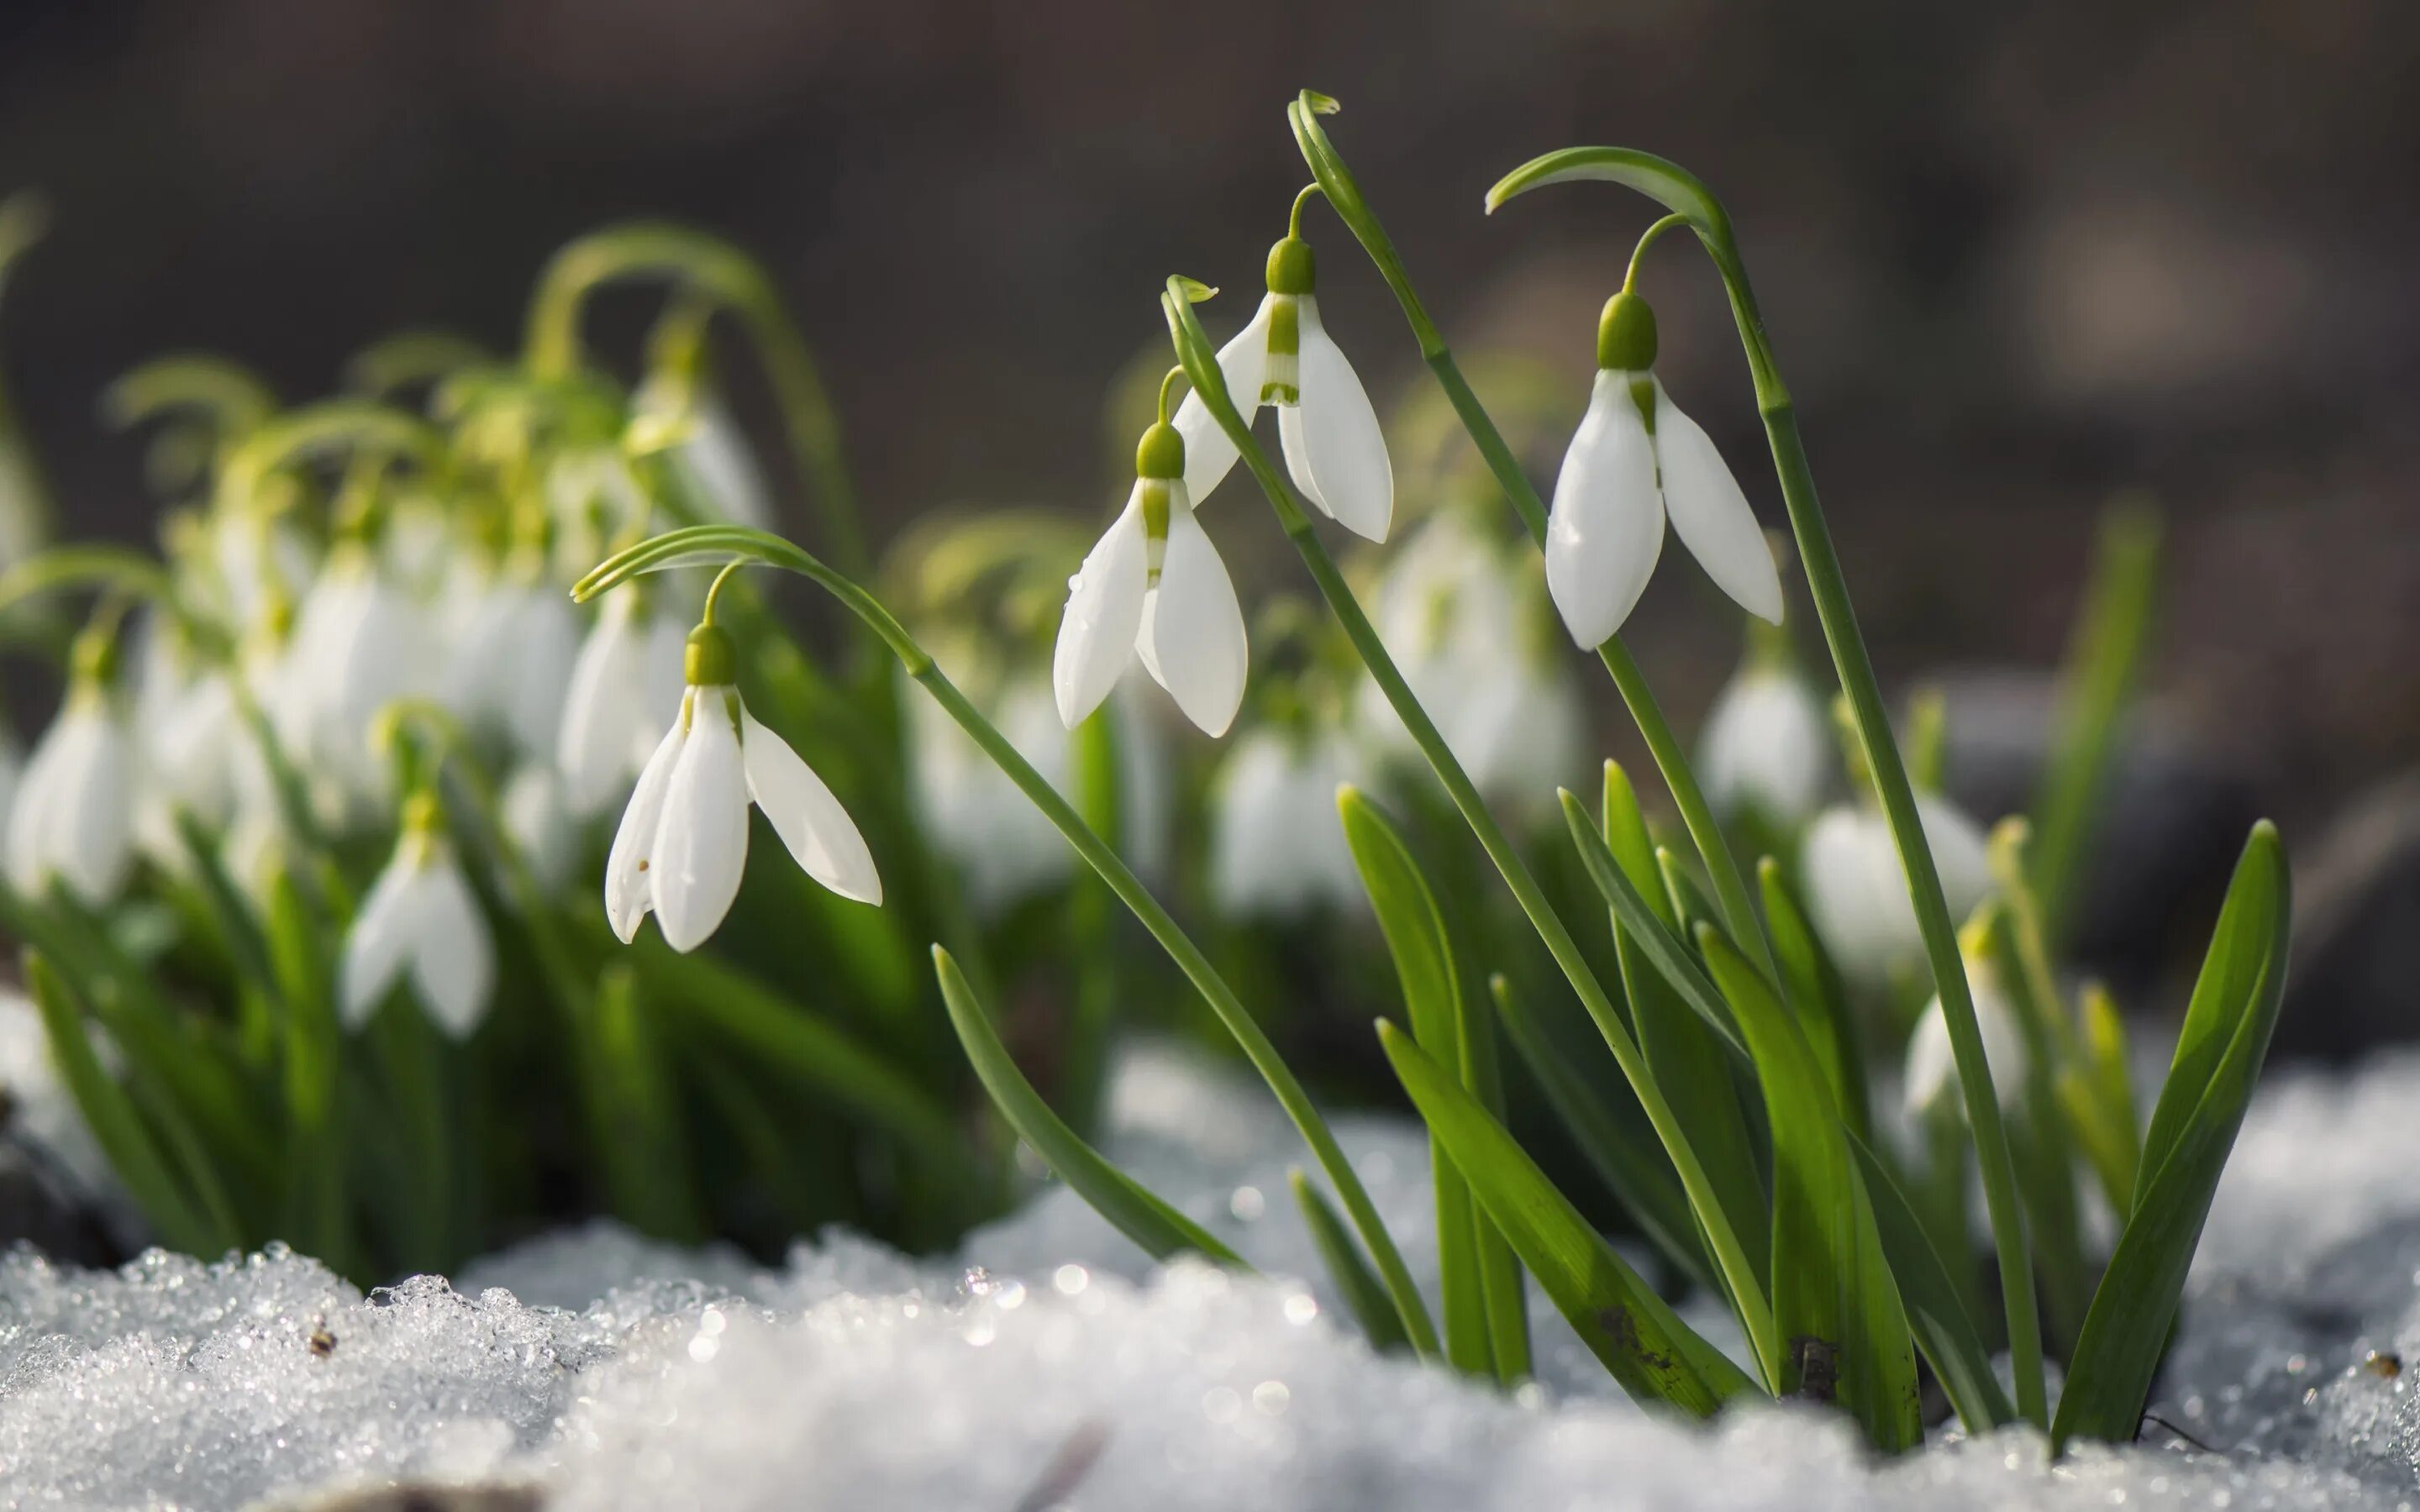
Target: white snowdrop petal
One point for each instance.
(1768, 742)
(723, 467)
(453, 961)
(1192, 639)
(545, 644)
(1209, 455)
(1333, 445)
(593, 745)
(1711, 515)
(702, 838)
(32, 814)
(630, 867)
(378, 943)
(820, 835)
(1607, 525)
(97, 840)
(1096, 633)
(1961, 852)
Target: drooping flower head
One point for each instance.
(1284, 357)
(683, 841)
(72, 818)
(1152, 588)
(1767, 746)
(1931, 1086)
(1635, 460)
(420, 926)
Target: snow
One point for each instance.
(1048, 1365)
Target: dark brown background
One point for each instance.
(2014, 256)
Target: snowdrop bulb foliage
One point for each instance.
(683, 841)
(71, 820)
(1153, 589)
(1768, 743)
(1932, 1080)
(625, 689)
(420, 926)
(1277, 845)
(1636, 461)
(1857, 893)
(1325, 424)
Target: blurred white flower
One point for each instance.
(1277, 845)
(1857, 894)
(625, 687)
(713, 456)
(540, 824)
(683, 841)
(1931, 1081)
(420, 924)
(359, 644)
(1767, 744)
(1460, 613)
(510, 666)
(1635, 459)
(1284, 357)
(1001, 841)
(72, 819)
(1153, 590)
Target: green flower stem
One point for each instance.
(370, 433)
(712, 543)
(1202, 364)
(720, 271)
(1730, 888)
(1677, 190)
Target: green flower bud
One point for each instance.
(1161, 454)
(711, 660)
(1290, 268)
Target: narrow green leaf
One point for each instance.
(1815, 992)
(1655, 1356)
(1160, 1229)
(312, 1071)
(1834, 1298)
(1664, 951)
(115, 1124)
(1687, 1061)
(230, 915)
(1944, 1328)
(2227, 1029)
(647, 1146)
(1415, 940)
(1631, 1165)
(1364, 1296)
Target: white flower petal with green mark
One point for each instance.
(1711, 515)
(1605, 528)
(1105, 603)
(702, 839)
(820, 835)
(454, 964)
(72, 817)
(1192, 639)
(1243, 361)
(1333, 445)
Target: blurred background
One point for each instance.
(2016, 259)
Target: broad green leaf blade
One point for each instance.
(1945, 1329)
(1631, 1165)
(1834, 1298)
(1500, 1270)
(2242, 983)
(116, 1125)
(1160, 1229)
(1415, 940)
(1655, 1356)
(1363, 1294)
(1687, 1061)
(1815, 992)
(1663, 949)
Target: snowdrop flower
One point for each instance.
(186, 717)
(421, 925)
(1857, 894)
(1002, 844)
(1464, 621)
(1768, 741)
(541, 823)
(72, 817)
(713, 455)
(625, 687)
(359, 644)
(1635, 459)
(1277, 846)
(1153, 588)
(1326, 425)
(511, 664)
(1932, 1080)
(683, 841)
